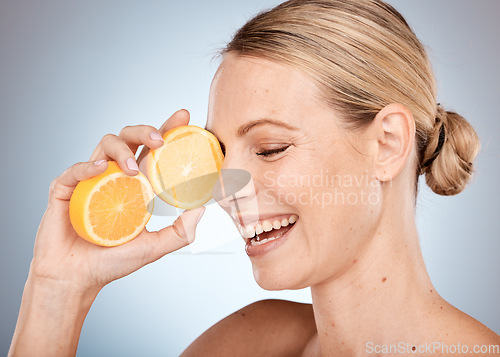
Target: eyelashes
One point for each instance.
(271, 152)
(223, 148)
(264, 153)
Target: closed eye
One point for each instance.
(272, 152)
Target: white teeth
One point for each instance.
(267, 226)
(254, 242)
(249, 232)
(259, 229)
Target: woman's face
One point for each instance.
(271, 123)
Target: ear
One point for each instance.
(394, 128)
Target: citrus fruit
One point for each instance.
(184, 170)
(111, 208)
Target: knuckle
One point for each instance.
(53, 185)
(125, 129)
(108, 137)
(178, 228)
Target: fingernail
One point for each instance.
(190, 214)
(200, 214)
(187, 222)
(132, 165)
(155, 136)
(98, 162)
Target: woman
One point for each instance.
(340, 90)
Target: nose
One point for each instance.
(235, 178)
(235, 190)
(235, 193)
(234, 187)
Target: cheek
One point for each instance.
(339, 202)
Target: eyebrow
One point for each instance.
(245, 128)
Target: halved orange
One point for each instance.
(184, 170)
(111, 208)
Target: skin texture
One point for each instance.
(360, 257)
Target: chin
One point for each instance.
(279, 278)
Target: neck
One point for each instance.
(381, 298)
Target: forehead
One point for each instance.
(249, 88)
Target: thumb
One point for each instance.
(176, 236)
(185, 225)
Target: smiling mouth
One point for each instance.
(267, 230)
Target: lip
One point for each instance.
(254, 251)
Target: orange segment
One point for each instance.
(111, 208)
(184, 170)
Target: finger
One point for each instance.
(116, 149)
(179, 118)
(98, 154)
(137, 135)
(151, 246)
(63, 186)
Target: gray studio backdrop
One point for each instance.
(70, 72)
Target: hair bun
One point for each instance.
(451, 149)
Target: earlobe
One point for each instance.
(395, 127)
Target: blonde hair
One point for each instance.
(363, 56)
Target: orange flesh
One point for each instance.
(118, 208)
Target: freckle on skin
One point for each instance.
(350, 229)
(384, 279)
(441, 307)
(333, 325)
(431, 290)
(354, 261)
(243, 314)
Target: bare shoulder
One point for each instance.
(477, 332)
(263, 328)
(459, 329)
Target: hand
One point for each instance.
(60, 255)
